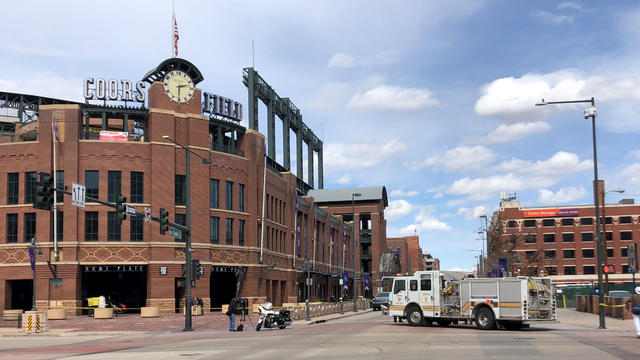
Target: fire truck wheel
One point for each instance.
(485, 319)
(414, 316)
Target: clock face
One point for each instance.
(178, 86)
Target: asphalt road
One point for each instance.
(364, 336)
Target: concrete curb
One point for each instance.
(326, 318)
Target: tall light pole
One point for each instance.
(476, 256)
(353, 213)
(591, 113)
(187, 236)
(35, 248)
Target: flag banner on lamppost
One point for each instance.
(502, 266)
(32, 258)
(345, 279)
(366, 281)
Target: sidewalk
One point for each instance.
(584, 320)
(133, 323)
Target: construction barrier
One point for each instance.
(34, 321)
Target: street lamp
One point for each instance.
(353, 214)
(308, 265)
(476, 256)
(32, 256)
(187, 235)
(591, 113)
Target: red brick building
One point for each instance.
(561, 241)
(239, 251)
(412, 258)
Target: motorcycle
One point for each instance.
(270, 318)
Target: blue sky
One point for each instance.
(432, 99)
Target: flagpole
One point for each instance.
(264, 195)
(173, 24)
(55, 193)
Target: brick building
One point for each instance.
(239, 251)
(412, 258)
(561, 241)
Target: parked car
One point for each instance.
(619, 293)
(382, 298)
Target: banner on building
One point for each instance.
(114, 135)
(549, 213)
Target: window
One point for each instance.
(567, 222)
(29, 226)
(413, 285)
(609, 235)
(12, 188)
(625, 269)
(229, 232)
(213, 229)
(91, 226)
(609, 252)
(587, 253)
(180, 189)
(92, 183)
(229, 193)
(549, 238)
(623, 252)
(425, 284)
(241, 197)
(549, 254)
(530, 254)
(114, 185)
(511, 223)
(113, 227)
(587, 237)
(589, 269)
(548, 222)
(241, 232)
(586, 221)
(60, 185)
(137, 187)
(12, 228)
(569, 270)
(214, 200)
(551, 270)
(626, 235)
(569, 253)
(399, 285)
(530, 239)
(608, 220)
(30, 180)
(567, 237)
(529, 223)
(625, 219)
(136, 229)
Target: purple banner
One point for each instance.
(567, 212)
(345, 279)
(32, 258)
(502, 267)
(366, 281)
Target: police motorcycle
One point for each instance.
(270, 318)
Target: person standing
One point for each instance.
(231, 312)
(635, 309)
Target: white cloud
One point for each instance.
(569, 5)
(400, 192)
(472, 214)
(562, 196)
(512, 99)
(386, 97)
(397, 209)
(511, 132)
(339, 157)
(342, 60)
(462, 158)
(345, 179)
(45, 84)
(521, 174)
(553, 18)
(424, 222)
(631, 174)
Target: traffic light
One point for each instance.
(608, 269)
(44, 192)
(195, 269)
(121, 208)
(164, 221)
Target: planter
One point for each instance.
(11, 314)
(149, 311)
(103, 313)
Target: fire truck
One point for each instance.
(449, 297)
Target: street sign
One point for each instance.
(78, 194)
(341, 281)
(175, 233)
(130, 209)
(147, 215)
(310, 281)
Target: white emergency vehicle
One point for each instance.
(446, 297)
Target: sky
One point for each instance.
(432, 99)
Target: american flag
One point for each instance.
(176, 36)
